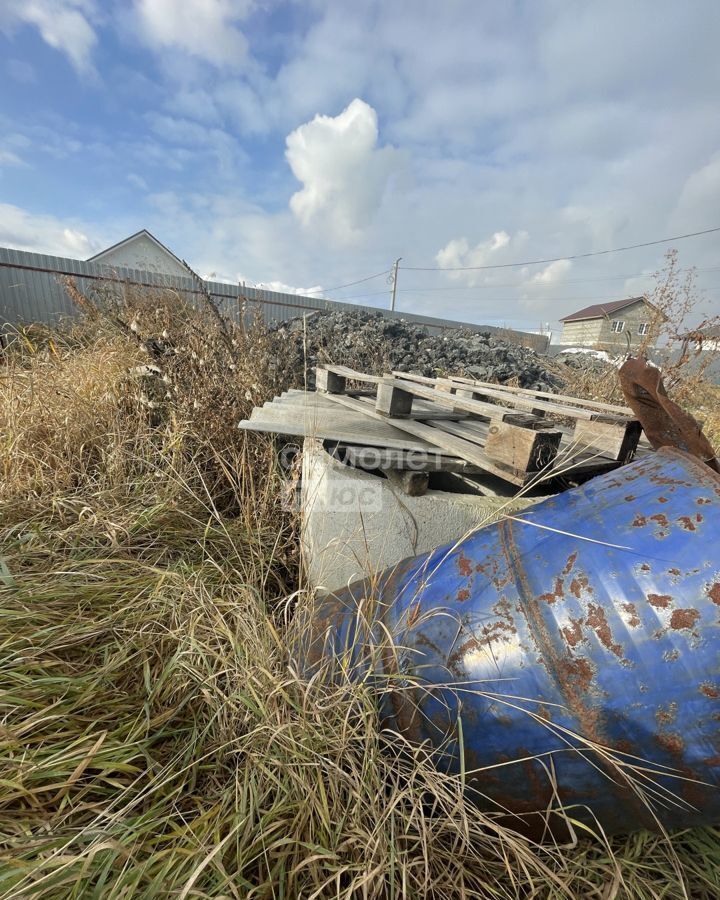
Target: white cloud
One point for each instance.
(314, 290)
(24, 230)
(203, 28)
(498, 250)
(552, 273)
(459, 253)
(562, 123)
(63, 24)
(344, 172)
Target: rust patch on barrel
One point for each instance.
(666, 715)
(641, 521)
(496, 631)
(555, 594)
(464, 565)
(578, 585)
(672, 742)
(573, 632)
(573, 675)
(463, 595)
(714, 593)
(690, 523)
(570, 563)
(631, 610)
(597, 620)
(684, 619)
(577, 674)
(710, 690)
(659, 601)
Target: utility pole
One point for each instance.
(394, 282)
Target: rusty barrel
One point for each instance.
(577, 643)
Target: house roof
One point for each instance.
(142, 233)
(601, 310)
(703, 333)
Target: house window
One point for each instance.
(617, 327)
(644, 328)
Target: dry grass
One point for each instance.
(156, 739)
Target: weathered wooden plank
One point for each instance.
(470, 429)
(501, 390)
(521, 449)
(420, 408)
(615, 441)
(578, 461)
(440, 438)
(313, 415)
(329, 382)
(546, 395)
(392, 401)
(449, 401)
(511, 402)
(351, 374)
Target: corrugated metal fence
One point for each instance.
(32, 290)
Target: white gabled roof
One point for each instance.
(143, 233)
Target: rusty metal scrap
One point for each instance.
(664, 422)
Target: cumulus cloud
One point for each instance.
(203, 28)
(458, 253)
(343, 170)
(63, 24)
(552, 273)
(314, 290)
(24, 230)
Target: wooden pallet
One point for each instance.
(515, 435)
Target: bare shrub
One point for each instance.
(676, 301)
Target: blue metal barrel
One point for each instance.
(569, 655)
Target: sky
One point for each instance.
(307, 145)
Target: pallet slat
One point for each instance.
(469, 383)
(515, 402)
(432, 433)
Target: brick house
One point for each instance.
(618, 325)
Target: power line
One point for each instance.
(339, 287)
(503, 299)
(527, 284)
(559, 284)
(537, 262)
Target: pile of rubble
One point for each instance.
(372, 343)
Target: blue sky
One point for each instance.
(309, 144)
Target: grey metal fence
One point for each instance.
(32, 289)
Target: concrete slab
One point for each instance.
(357, 524)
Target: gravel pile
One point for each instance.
(371, 343)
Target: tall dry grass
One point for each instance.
(156, 738)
